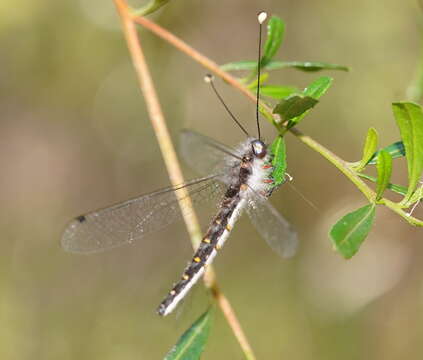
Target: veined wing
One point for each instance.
(131, 220)
(273, 227)
(204, 154)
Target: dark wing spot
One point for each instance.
(81, 218)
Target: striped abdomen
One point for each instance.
(211, 243)
(252, 174)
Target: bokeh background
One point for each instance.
(75, 136)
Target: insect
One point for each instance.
(241, 176)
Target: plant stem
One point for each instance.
(173, 168)
(157, 120)
(340, 164)
(195, 55)
(212, 66)
(232, 320)
(397, 208)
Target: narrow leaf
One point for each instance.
(350, 231)
(402, 190)
(409, 118)
(150, 7)
(396, 150)
(384, 172)
(278, 150)
(315, 90)
(293, 106)
(369, 148)
(275, 33)
(308, 66)
(191, 344)
(276, 65)
(277, 92)
(240, 65)
(418, 195)
(318, 87)
(263, 78)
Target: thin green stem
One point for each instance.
(345, 167)
(397, 208)
(339, 163)
(402, 190)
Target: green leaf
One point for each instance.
(149, 8)
(409, 118)
(191, 344)
(308, 66)
(293, 106)
(384, 172)
(350, 231)
(318, 87)
(275, 33)
(402, 190)
(315, 90)
(369, 148)
(263, 78)
(396, 150)
(278, 150)
(277, 92)
(240, 65)
(417, 196)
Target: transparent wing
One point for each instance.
(131, 220)
(273, 227)
(203, 154)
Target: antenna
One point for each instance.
(209, 79)
(261, 17)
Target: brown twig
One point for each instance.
(307, 140)
(192, 53)
(232, 320)
(172, 165)
(213, 67)
(157, 118)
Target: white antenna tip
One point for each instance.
(208, 78)
(261, 17)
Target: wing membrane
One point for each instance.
(273, 227)
(131, 220)
(203, 154)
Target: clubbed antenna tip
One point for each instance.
(261, 17)
(208, 78)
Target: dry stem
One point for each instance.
(192, 53)
(172, 165)
(327, 154)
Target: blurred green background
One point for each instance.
(75, 136)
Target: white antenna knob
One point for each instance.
(208, 78)
(261, 17)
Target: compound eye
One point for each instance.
(259, 149)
